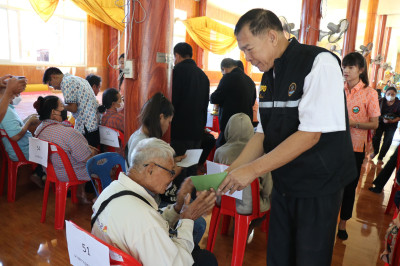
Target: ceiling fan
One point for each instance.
(335, 32)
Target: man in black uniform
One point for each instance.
(236, 93)
(303, 139)
(190, 93)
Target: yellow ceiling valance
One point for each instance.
(103, 10)
(211, 35)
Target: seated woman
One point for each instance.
(112, 110)
(156, 116)
(17, 131)
(238, 132)
(52, 112)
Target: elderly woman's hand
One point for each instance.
(203, 204)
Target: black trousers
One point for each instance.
(203, 257)
(93, 138)
(349, 192)
(386, 172)
(387, 140)
(302, 230)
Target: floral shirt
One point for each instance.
(77, 90)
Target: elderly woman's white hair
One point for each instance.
(148, 149)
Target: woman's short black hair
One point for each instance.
(356, 59)
(391, 89)
(109, 96)
(151, 111)
(44, 106)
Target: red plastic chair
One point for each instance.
(214, 128)
(61, 187)
(4, 162)
(13, 167)
(120, 138)
(242, 222)
(124, 259)
(395, 188)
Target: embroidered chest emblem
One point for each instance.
(263, 89)
(292, 89)
(356, 109)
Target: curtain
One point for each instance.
(211, 35)
(44, 9)
(105, 11)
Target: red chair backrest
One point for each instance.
(55, 149)
(124, 259)
(120, 136)
(229, 203)
(14, 145)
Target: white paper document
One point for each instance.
(109, 137)
(83, 249)
(215, 168)
(192, 158)
(38, 151)
(210, 120)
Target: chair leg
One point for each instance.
(45, 198)
(73, 194)
(61, 200)
(225, 224)
(242, 223)
(212, 232)
(391, 198)
(12, 181)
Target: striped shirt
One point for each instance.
(71, 141)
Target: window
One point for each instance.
(27, 39)
(179, 27)
(214, 60)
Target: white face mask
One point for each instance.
(16, 100)
(121, 106)
(389, 98)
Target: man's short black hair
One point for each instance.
(122, 56)
(228, 63)
(50, 71)
(183, 49)
(259, 21)
(93, 80)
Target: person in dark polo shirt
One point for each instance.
(190, 93)
(303, 138)
(236, 93)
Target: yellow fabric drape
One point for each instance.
(44, 9)
(211, 35)
(105, 11)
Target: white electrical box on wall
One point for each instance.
(128, 70)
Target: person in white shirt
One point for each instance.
(132, 222)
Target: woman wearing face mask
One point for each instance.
(18, 131)
(363, 111)
(52, 113)
(390, 116)
(112, 110)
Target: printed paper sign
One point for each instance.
(109, 137)
(192, 158)
(214, 168)
(210, 120)
(38, 151)
(85, 250)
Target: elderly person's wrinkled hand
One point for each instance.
(186, 188)
(179, 158)
(203, 204)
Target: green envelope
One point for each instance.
(205, 182)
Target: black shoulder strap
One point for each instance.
(116, 195)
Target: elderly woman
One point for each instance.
(112, 110)
(52, 129)
(132, 221)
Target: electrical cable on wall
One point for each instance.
(126, 7)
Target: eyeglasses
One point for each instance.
(172, 172)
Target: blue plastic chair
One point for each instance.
(101, 166)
